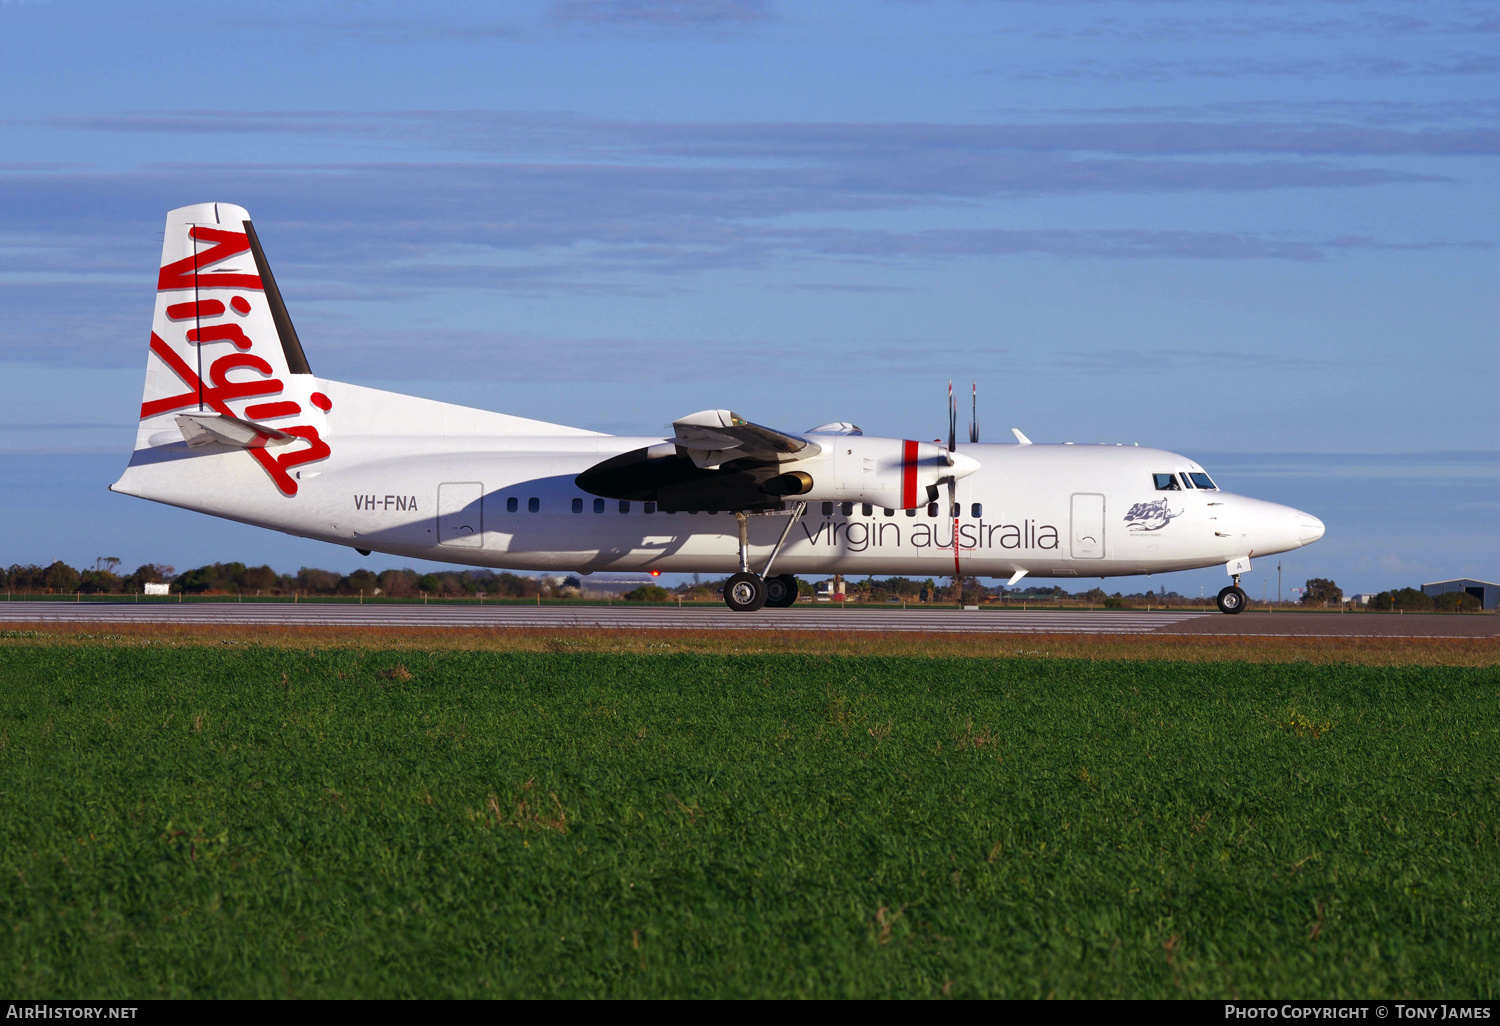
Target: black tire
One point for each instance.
(745, 593)
(1232, 600)
(781, 591)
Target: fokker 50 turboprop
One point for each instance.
(234, 423)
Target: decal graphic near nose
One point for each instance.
(1151, 516)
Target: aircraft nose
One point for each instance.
(1309, 528)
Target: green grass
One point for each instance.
(214, 821)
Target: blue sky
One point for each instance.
(1259, 233)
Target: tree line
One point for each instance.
(1413, 600)
(236, 578)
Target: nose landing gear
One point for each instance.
(1233, 598)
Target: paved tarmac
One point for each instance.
(598, 617)
(824, 619)
(1346, 625)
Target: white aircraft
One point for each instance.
(235, 424)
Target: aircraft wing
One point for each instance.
(713, 437)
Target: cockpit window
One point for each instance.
(1203, 481)
(1187, 482)
(1166, 482)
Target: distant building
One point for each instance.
(598, 586)
(157, 589)
(1488, 594)
(831, 590)
(1362, 599)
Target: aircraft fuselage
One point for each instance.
(509, 502)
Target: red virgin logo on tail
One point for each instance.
(219, 389)
(188, 273)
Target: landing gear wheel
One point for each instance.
(745, 593)
(1232, 600)
(781, 591)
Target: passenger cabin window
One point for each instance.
(598, 505)
(1166, 482)
(911, 512)
(577, 505)
(1203, 481)
(650, 507)
(624, 505)
(866, 509)
(828, 509)
(512, 504)
(932, 509)
(890, 512)
(976, 510)
(533, 504)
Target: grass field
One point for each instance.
(256, 820)
(1369, 650)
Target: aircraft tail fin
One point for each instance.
(230, 399)
(224, 350)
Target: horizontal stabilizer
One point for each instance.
(200, 429)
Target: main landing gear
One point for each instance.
(1233, 599)
(746, 592)
(781, 591)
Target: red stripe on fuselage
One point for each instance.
(909, 475)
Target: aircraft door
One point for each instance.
(1088, 526)
(460, 518)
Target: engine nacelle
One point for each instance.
(892, 473)
(888, 472)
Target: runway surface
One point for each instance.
(597, 617)
(876, 620)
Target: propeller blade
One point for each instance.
(974, 417)
(952, 419)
